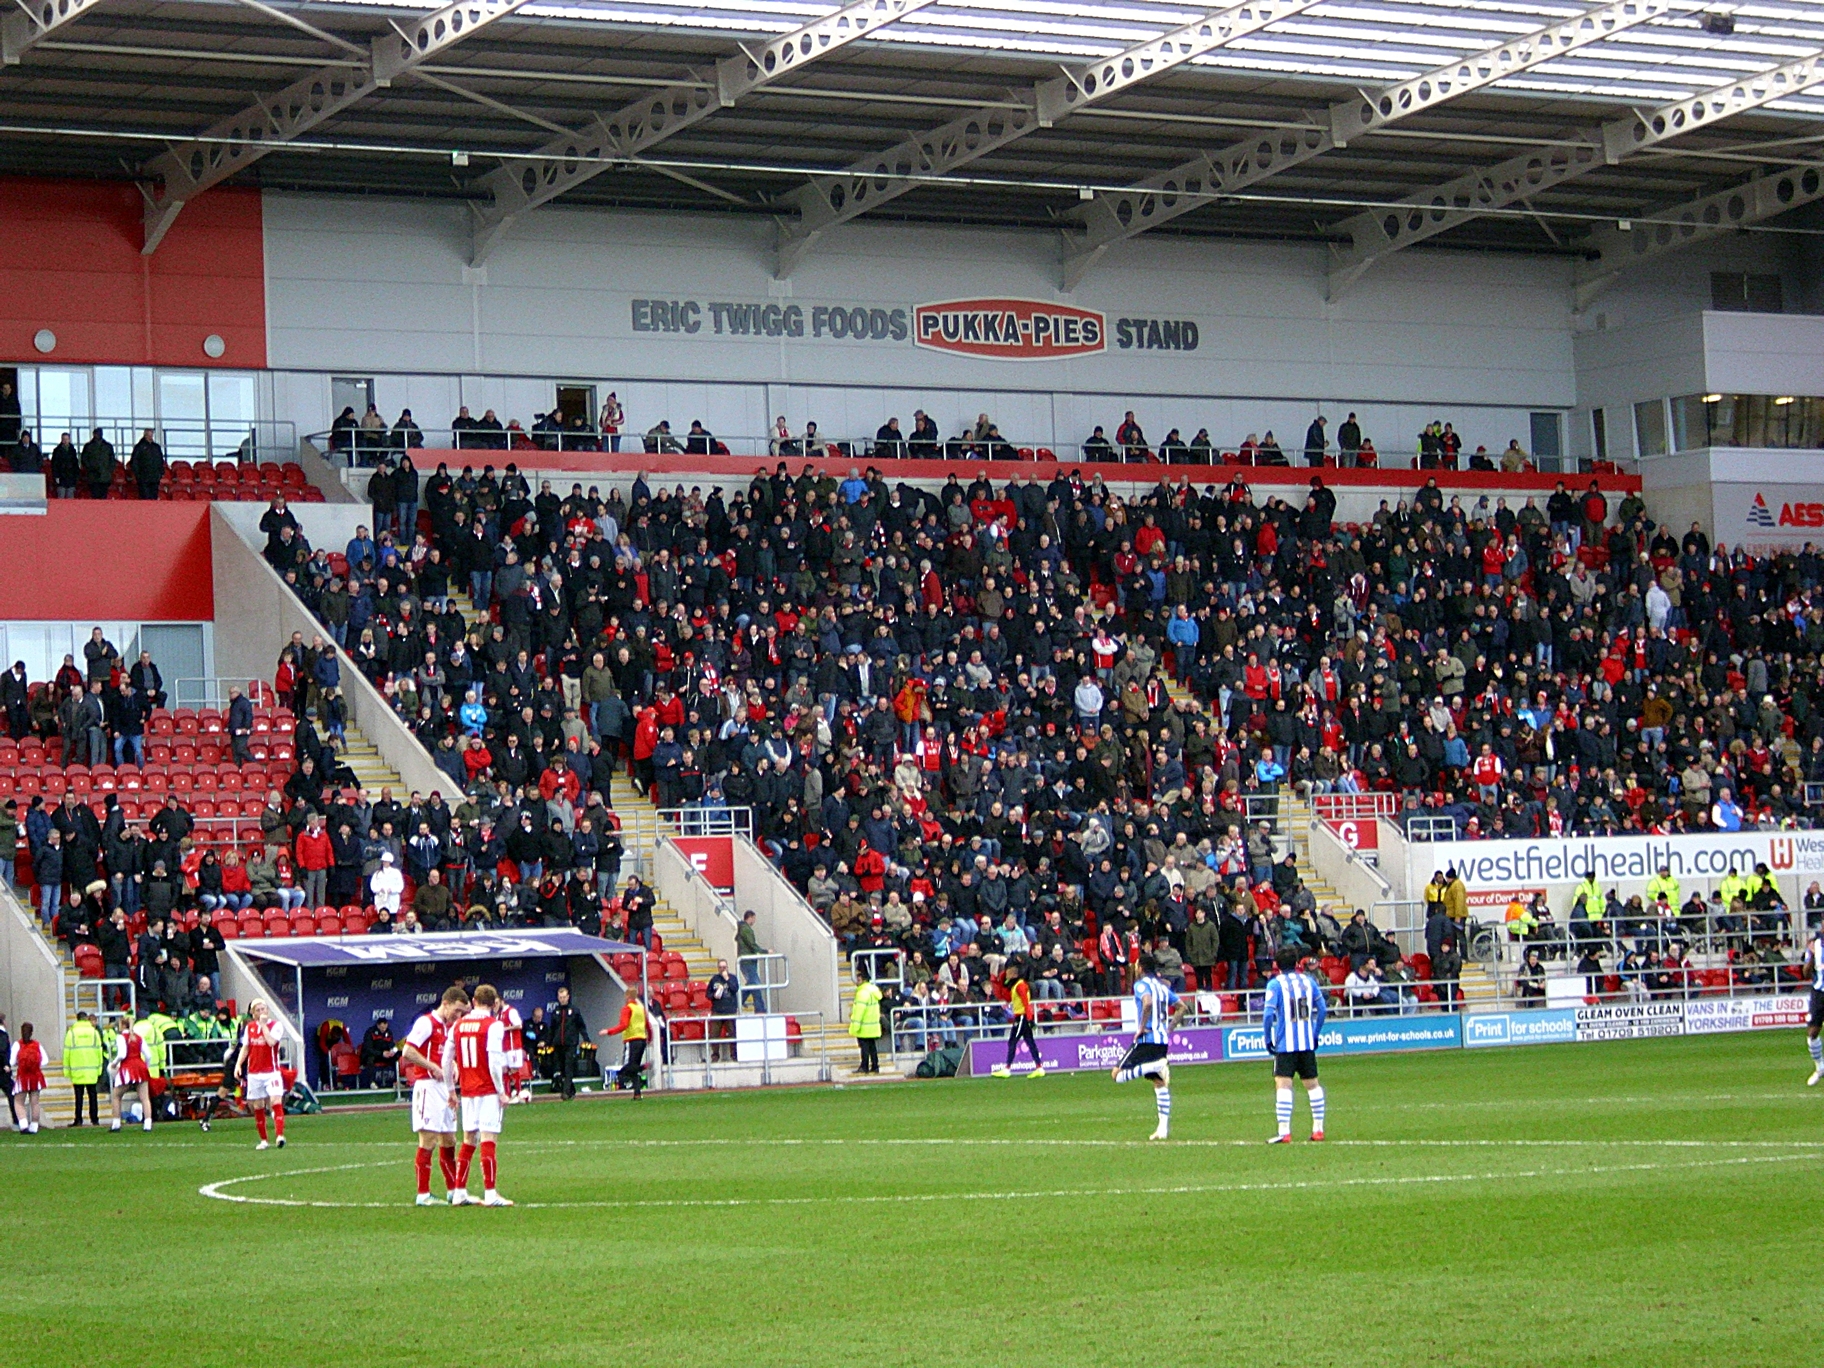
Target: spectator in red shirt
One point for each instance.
(315, 855)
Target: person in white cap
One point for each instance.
(388, 884)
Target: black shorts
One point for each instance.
(1816, 1019)
(1295, 1064)
(1141, 1054)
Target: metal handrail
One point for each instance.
(200, 440)
(353, 443)
(1431, 828)
(874, 958)
(809, 1023)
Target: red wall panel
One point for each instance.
(70, 262)
(109, 559)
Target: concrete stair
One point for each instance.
(371, 772)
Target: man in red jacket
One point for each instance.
(315, 855)
(870, 868)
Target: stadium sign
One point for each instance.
(1548, 1026)
(1630, 1020)
(1706, 1016)
(1194, 1045)
(1010, 329)
(1360, 1035)
(1768, 518)
(1503, 865)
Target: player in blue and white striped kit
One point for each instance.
(1814, 1018)
(1294, 1018)
(1156, 1010)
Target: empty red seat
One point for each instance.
(229, 927)
(329, 925)
(89, 963)
(303, 924)
(183, 720)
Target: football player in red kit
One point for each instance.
(478, 1050)
(422, 1057)
(513, 1035)
(257, 1066)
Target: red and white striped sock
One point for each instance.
(446, 1159)
(424, 1173)
(489, 1168)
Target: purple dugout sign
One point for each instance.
(1198, 1045)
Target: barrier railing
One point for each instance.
(1431, 828)
(761, 976)
(885, 967)
(735, 1044)
(1814, 794)
(916, 1026)
(182, 439)
(105, 999)
(641, 829)
(1353, 807)
(1719, 934)
(367, 446)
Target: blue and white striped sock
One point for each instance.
(1284, 1110)
(1162, 1098)
(1317, 1109)
(1127, 1075)
(1816, 1046)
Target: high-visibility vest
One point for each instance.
(83, 1053)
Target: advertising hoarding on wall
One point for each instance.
(1630, 1020)
(1360, 1035)
(1194, 1045)
(1494, 869)
(1551, 1026)
(1706, 1016)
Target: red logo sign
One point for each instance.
(711, 856)
(1009, 329)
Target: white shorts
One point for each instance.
(265, 1087)
(481, 1114)
(431, 1110)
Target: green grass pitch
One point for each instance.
(1651, 1202)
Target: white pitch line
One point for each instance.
(936, 1141)
(218, 1190)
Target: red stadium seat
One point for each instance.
(184, 721)
(229, 927)
(53, 783)
(329, 925)
(89, 963)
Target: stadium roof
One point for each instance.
(108, 91)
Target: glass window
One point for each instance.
(1650, 428)
(1599, 433)
(232, 411)
(1691, 421)
(63, 405)
(183, 414)
(114, 404)
(1548, 435)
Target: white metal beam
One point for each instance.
(30, 22)
(1113, 216)
(234, 143)
(832, 199)
(521, 184)
(1377, 233)
(1686, 225)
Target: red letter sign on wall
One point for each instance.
(711, 856)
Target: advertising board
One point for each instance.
(1630, 1020)
(1359, 1035)
(1706, 1016)
(1551, 1026)
(1194, 1045)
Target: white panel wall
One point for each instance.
(372, 288)
(1764, 353)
